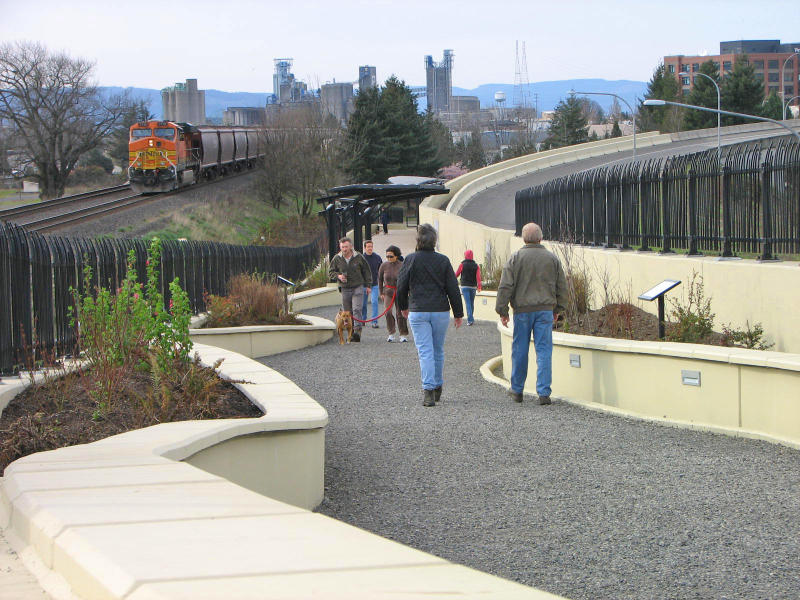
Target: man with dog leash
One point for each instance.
(352, 272)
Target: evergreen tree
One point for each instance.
(703, 94)
(772, 108)
(387, 136)
(475, 156)
(569, 125)
(615, 130)
(593, 136)
(742, 91)
(662, 86)
(442, 139)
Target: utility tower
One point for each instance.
(522, 95)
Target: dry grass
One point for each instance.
(251, 300)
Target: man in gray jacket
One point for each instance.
(533, 281)
(351, 271)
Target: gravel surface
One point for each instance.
(575, 502)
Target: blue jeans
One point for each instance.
(541, 323)
(430, 329)
(469, 301)
(370, 294)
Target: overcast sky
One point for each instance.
(230, 45)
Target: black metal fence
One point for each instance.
(37, 272)
(749, 205)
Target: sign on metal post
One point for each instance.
(657, 293)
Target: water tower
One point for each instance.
(500, 100)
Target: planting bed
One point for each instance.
(61, 412)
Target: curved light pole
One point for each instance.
(719, 107)
(785, 106)
(783, 85)
(633, 114)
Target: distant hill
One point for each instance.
(549, 92)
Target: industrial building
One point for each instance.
(772, 61)
(184, 103)
(244, 115)
(337, 100)
(367, 77)
(439, 82)
(285, 87)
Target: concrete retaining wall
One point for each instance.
(742, 392)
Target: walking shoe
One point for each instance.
(428, 398)
(515, 396)
(437, 394)
(403, 338)
(543, 400)
(375, 325)
(471, 324)
(390, 338)
(356, 336)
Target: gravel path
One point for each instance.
(575, 502)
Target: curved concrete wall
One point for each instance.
(744, 392)
(265, 340)
(157, 514)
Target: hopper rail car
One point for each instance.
(164, 155)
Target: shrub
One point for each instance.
(119, 332)
(491, 269)
(252, 300)
(694, 320)
(315, 277)
(749, 337)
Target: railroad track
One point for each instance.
(29, 209)
(70, 217)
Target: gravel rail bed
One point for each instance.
(575, 502)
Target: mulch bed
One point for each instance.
(622, 321)
(62, 413)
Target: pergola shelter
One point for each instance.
(357, 206)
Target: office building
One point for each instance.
(771, 60)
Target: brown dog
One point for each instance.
(344, 325)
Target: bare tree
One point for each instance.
(55, 110)
(302, 149)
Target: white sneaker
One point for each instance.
(390, 338)
(403, 338)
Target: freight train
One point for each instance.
(164, 155)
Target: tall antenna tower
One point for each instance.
(522, 94)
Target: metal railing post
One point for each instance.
(766, 214)
(726, 211)
(692, 214)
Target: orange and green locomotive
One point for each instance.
(164, 155)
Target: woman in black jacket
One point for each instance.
(427, 277)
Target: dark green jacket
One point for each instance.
(357, 270)
(533, 279)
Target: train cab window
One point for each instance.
(140, 133)
(165, 133)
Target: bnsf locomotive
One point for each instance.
(164, 155)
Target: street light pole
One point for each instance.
(788, 102)
(654, 102)
(633, 114)
(783, 85)
(719, 115)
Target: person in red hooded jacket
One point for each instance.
(470, 281)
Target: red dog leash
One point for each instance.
(388, 308)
